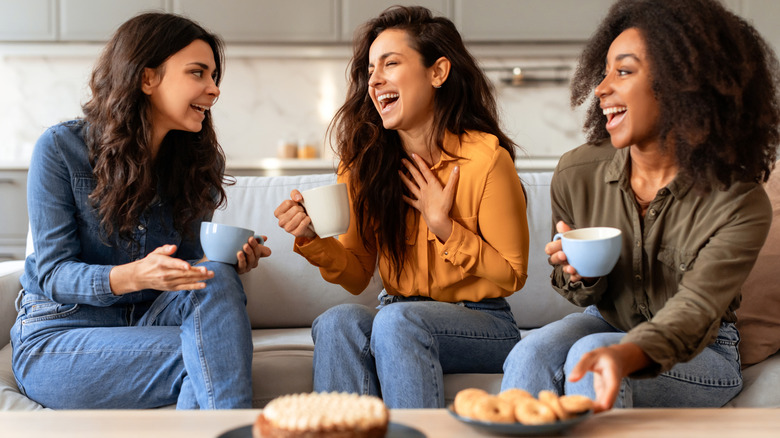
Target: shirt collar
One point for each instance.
(451, 146)
(617, 171)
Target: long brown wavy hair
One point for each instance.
(715, 79)
(372, 154)
(189, 168)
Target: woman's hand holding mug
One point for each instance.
(293, 218)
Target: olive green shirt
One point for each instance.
(681, 266)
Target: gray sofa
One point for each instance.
(285, 294)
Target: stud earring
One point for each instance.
(437, 86)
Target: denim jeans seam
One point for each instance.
(201, 355)
(433, 361)
(719, 383)
(365, 357)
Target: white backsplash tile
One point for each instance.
(263, 100)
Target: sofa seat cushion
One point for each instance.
(10, 397)
(281, 363)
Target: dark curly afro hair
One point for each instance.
(715, 79)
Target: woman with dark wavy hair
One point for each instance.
(119, 309)
(682, 131)
(436, 203)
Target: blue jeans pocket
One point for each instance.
(41, 314)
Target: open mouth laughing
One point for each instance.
(387, 100)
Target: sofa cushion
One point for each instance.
(537, 303)
(758, 317)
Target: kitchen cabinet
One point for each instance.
(356, 12)
(96, 20)
(13, 219)
(30, 20)
(528, 20)
(246, 21)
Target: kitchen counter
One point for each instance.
(279, 166)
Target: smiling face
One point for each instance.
(626, 95)
(182, 94)
(400, 86)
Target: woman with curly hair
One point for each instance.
(682, 131)
(436, 203)
(118, 309)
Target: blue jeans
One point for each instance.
(192, 348)
(402, 351)
(544, 358)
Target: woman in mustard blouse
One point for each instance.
(436, 204)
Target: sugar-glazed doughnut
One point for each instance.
(493, 409)
(465, 399)
(514, 395)
(551, 399)
(575, 404)
(533, 412)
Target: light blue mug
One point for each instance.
(221, 242)
(593, 251)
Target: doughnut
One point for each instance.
(575, 404)
(551, 399)
(493, 409)
(514, 395)
(533, 412)
(465, 399)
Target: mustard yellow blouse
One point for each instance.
(486, 256)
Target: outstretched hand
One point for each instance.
(159, 270)
(428, 196)
(609, 365)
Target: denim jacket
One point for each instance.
(71, 262)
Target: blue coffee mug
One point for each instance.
(594, 251)
(221, 242)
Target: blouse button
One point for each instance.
(140, 227)
(446, 253)
(682, 267)
(638, 277)
(652, 212)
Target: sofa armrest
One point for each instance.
(9, 288)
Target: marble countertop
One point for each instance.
(530, 163)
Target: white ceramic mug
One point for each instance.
(593, 251)
(222, 242)
(328, 208)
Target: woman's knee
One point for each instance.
(400, 319)
(341, 318)
(225, 282)
(588, 344)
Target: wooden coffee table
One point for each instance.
(433, 423)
